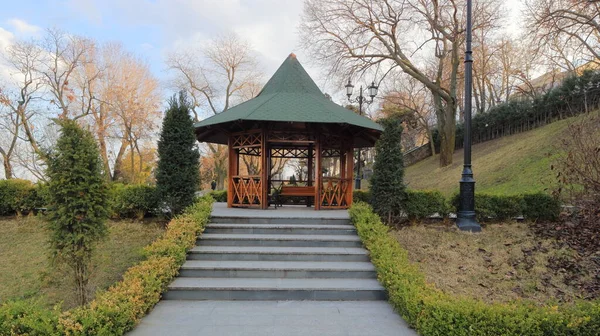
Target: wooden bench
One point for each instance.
(297, 191)
(308, 191)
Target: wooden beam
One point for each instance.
(349, 171)
(264, 168)
(318, 172)
(232, 170)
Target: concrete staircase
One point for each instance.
(267, 258)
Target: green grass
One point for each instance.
(26, 270)
(510, 165)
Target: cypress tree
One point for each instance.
(78, 201)
(387, 182)
(178, 172)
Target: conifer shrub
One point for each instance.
(78, 201)
(178, 171)
(387, 182)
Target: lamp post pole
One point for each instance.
(466, 213)
(360, 100)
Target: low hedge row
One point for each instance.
(18, 197)
(421, 204)
(536, 206)
(119, 309)
(219, 195)
(433, 312)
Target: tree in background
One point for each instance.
(422, 38)
(387, 183)
(78, 201)
(221, 74)
(178, 171)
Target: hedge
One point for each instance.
(21, 197)
(117, 310)
(433, 312)
(219, 195)
(133, 200)
(536, 206)
(575, 95)
(422, 204)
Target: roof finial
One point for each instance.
(292, 55)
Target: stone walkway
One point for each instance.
(290, 271)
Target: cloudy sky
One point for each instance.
(151, 28)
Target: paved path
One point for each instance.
(273, 318)
(290, 271)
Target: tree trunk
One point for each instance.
(446, 128)
(8, 170)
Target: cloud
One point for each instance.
(21, 27)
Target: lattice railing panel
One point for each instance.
(253, 138)
(289, 153)
(333, 192)
(247, 190)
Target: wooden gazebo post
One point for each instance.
(232, 170)
(318, 171)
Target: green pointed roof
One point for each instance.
(290, 96)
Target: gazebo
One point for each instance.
(290, 119)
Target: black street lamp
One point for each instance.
(360, 100)
(465, 219)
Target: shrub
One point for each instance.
(494, 207)
(540, 206)
(422, 204)
(117, 310)
(361, 196)
(133, 201)
(28, 317)
(78, 201)
(387, 182)
(219, 195)
(433, 312)
(14, 194)
(178, 171)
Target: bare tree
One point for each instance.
(358, 35)
(226, 74)
(566, 22)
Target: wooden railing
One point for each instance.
(334, 193)
(247, 190)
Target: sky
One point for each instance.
(151, 28)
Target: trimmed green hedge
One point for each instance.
(219, 195)
(422, 204)
(132, 200)
(537, 206)
(21, 197)
(433, 312)
(117, 310)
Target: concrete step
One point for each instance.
(289, 240)
(280, 220)
(274, 253)
(321, 229)
(277, 269)
(274, 289)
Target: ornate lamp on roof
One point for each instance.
(360, 99)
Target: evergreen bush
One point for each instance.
(219, 195)
(361, 196)
(78, 201)
(178, 171)
(14, 196)
(422, 204)
(387, 182)
(133, 201)
(540, 206)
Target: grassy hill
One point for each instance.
(510, 165)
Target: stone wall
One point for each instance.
(417, 154)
